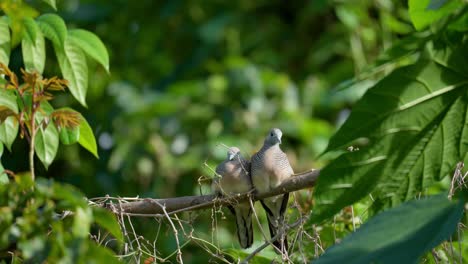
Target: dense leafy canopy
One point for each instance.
(379, 88)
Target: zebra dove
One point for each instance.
(235, 178)
(270, 166)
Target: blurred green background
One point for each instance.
(188, 76)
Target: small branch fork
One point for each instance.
(148, 207)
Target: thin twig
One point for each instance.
(179, 252)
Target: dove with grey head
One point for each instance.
(270, 167)
(233, 177)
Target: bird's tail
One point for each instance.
(244, 225)
(275, 220)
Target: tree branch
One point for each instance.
(154, 207)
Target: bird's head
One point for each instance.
(274, 136)
(232, 153)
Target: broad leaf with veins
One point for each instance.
(416, 127)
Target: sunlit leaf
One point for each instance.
(9, 131)
(16, 12)
(46, 144)
(107, 220)
(91, 45)
(51, 3)
(8, 128)
(87, 139)
(53, 28)
(82, 221)
(5, 44)
(415, 128)
(399, 235)
(426, 12)
(72, 62)
(8, 99)
(33, 47)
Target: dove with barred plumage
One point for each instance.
(269, 168)
(234, 178)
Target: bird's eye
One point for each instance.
(271, 134)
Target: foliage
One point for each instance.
(32, 230)
(401, 234)
(405, 134)
(188, 76)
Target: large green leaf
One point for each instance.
(107, 220)
(415, 122)
(46, 144)
(72, 62)
(8, 128)
(91, 45)
(5, 41)
(87, 139)
(53, 28)
(425, 12)
(399, 235)
(33, 47)
(8, 100)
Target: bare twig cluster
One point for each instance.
(165, 212)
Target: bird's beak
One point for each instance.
(231, 156)
(279, 139)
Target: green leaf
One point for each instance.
(107, 220)
(53, 28)
(87, 139)
(9, 131)
(426, 12)
(33, 47)
(51, 3)
(68, 195)
(72, 62)
(69, 136)
(98, 254)
(46, 144)
(91, 45)
(8, 99)
(415, 126)
(5, 41)
(24, 180)
(82, 221)
(239, 255)
(399, 235)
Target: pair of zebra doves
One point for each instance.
(267, 169)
